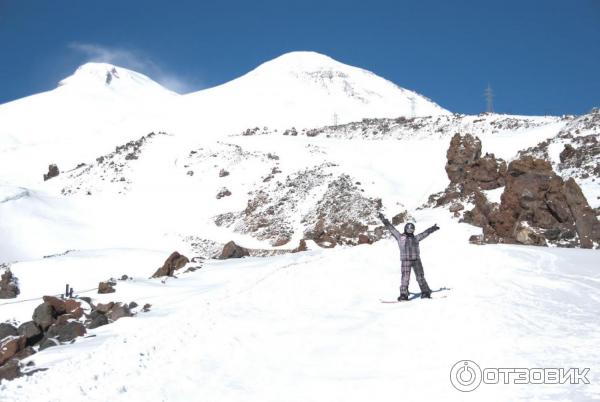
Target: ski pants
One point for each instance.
(418, 267)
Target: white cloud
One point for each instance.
(134, 60)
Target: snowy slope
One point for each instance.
(140, 173)
(102, 105)
(310, 327)
(98, 106)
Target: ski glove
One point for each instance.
(383, 219)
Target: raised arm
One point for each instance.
(427, 232)
(390, 227)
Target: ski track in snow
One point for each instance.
(310, 327)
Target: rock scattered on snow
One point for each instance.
(232, 250)
(174, 262)
(52, 172)
(9, 284)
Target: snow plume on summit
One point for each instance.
(95, 76)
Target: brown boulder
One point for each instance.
(31, 332)
(96, 319)
(174, 262)
(364, 239)
(10, 370)
(104, 307)
(44, 315)
(232, 250)
(301, 246)
(119, 310)
(65, 331)
(105, 287)
(56, 303)
(9, 346)
(73, 308)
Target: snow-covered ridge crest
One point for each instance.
(104, 75)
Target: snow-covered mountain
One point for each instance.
(98, 106)
(101, 105)
(259, 161)
(307, 89)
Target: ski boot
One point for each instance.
(403, 298)
(426, 295)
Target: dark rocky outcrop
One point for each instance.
(469, 173)
(10, 346)
(342, 215)
(52, 172)
(9, 285)
(174, 262)
(537, 207)
(232, 250)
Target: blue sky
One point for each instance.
(539, 56)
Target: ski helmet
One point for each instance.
(409, 228)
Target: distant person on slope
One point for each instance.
(409, 256)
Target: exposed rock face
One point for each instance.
(586, 221)
(174, 262)
(9, 285)
(223, 173)
(267, 214)
(463, 152)
(467, 168)
(469, 172)
(537, 207)
(342, 215)
(52, 172)
(232, 250)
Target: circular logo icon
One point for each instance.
(465, 375)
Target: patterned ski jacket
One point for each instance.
(409, 245)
